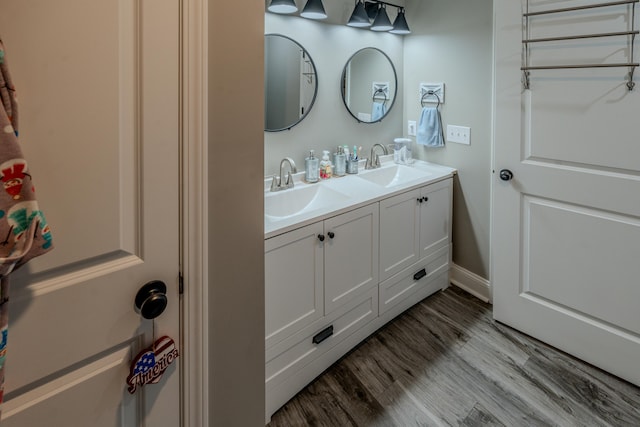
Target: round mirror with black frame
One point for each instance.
(290, 83)
(369, 85)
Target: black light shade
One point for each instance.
(372, 10)
(400, 25)
(382, 22)
(283, 6)
(314, 9)
(359, 17)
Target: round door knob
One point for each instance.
(151, 299)
(331, 235)
(425, 199)
(321, 237)
(419, 199)
(506, 175)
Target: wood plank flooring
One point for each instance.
(446, 362)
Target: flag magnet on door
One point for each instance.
(150, 364)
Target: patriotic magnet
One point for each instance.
(150, 364)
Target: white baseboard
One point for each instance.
(476, 285)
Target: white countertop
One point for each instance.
(342, 194)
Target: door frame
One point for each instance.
(194, 213)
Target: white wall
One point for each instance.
(329, 123)
(451, 42)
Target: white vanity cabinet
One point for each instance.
(415, 236)
(321, 285)
(313, 270)
(331, 283)
(413, 225)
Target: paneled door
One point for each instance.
(566, 205)
(98, 87)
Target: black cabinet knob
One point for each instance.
(506, 175)
(419, 199)
(425, 199)
(151, 299)
(331, 235)
(321, 237)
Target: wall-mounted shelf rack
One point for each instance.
(526, 41)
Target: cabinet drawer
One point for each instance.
(411, 280)
(281, 364)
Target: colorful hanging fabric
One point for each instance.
(24, 233)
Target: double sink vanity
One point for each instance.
(345, 256)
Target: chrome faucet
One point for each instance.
(373, 162)
(280, 183)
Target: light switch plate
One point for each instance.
(459, 134)
(411, 127)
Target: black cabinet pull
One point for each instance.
(425, 199)
(331, 235)
(321, 237)
(420, 274)
(323, 335)
(419, 199)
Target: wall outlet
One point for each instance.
(459, 134)
(411, 127)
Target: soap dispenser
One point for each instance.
(339, 162)
(311, 168)
(326, 170)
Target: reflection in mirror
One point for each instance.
(369, 85)
(290, 83)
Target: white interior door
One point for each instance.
(98, 89)
(566, 228)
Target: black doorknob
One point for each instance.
(506, 175)
(151, 299)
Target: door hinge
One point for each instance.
(180, 284)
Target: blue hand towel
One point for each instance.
(378, 111)
(430, 128)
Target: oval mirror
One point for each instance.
(369, 85)
(290, 83)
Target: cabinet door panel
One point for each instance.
(351, 256)
(293, 282)
(435, 217)
(399, 233)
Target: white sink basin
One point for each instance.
(391, 176)
(298, 200)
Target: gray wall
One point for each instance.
(329, 123)
(236, 221)
(451, 42)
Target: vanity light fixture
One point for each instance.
(359, 17)
(314, 9)
(382, 22)
(400, 25)
(283, 6)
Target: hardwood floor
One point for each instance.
(446, 362)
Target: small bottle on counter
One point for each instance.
(311, 168)
(326, 170)
(339, 162)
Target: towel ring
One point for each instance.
(427, 93)
(382, 91)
